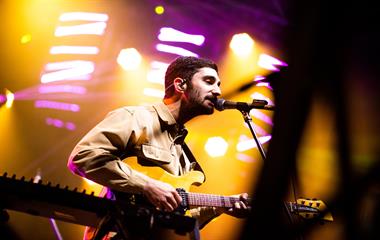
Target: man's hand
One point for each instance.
(162, 195)
(241, 208)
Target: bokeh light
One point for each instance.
(216, 146)
(159, 10)
(242, 44)
(129, 59)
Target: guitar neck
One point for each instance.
(208, 200)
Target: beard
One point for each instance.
(200, 105)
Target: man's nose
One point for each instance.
(216, 91)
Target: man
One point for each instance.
(155, 134)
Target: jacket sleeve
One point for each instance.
(96, 156)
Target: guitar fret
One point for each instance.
(201, 199)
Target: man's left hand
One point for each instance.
(241, 208)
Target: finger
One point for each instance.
(171, 201)
(177, 198)
(167, 207)
(237, 205)
(244, 197)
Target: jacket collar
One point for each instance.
(169, 123)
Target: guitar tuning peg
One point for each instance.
(5, 174)
(14, 176)
(22, 178)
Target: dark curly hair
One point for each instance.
(185, 68)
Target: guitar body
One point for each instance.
(184, 181)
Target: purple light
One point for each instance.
(270, 63)
(259, 78)
(70, 126)
(251, 143)
(67, 70)
(62, 88)
(57, 105)
(58, 123)
(173, 35)
(175, 50)
(262, 116)
(3, 98)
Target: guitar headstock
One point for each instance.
(311, 208)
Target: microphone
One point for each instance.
(222, 104)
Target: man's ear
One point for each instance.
(179, 84)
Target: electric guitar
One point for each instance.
(304, 207)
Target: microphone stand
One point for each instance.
(248, 120)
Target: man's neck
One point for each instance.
(176, 108)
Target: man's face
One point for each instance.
(203, 90)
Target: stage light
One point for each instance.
(58, 123)
(62, 88)
(26, 38)
(3, 99)
(175, 50)
(216, 146)
(251, 143)
(90, 50)
(270, 63)
(159, 10)
(68, 70)
(173, 35)
(242, 44)
(97, 28)
(129, 59)
(57, 105)
(9, 98)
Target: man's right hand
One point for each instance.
(162, 195)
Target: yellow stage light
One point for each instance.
(10, 98)
(242, 44)
(26, 38)
(216, 146)
(159, 10)
(129, 59)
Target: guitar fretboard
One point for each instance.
(210, 200)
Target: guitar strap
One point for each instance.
(194, 164)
